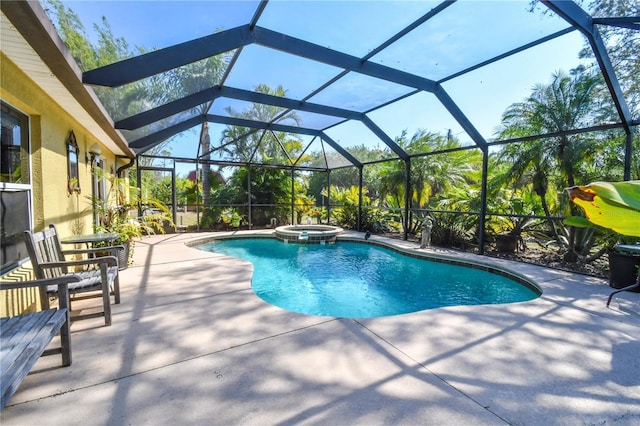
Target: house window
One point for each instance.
(15, 187)
(14, 164)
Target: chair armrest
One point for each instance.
(108, 260)
(62, 283)
(63, 280)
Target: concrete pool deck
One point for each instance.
(191, 344)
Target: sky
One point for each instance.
(465, 33)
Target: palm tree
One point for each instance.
(247, 145)
(193, 78)
(568, 102)
(346, 201)
(431, 176)
(268, 186)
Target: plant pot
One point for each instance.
(507, 243)
(167, 227)
(123, 256)
(623, 270)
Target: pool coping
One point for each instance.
(550, 281)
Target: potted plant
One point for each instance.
(613, 206)
(511, 227)
(118, 214)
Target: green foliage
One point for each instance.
(268, 186)
(610, 205)
(73, 33)
(219, 218)
(138, 96)
(303, 206)
(114, 213)
(451, 230)
(623, 45)
(211, 216)
(518, 206)
(566, 103)
(344, 202)
(161, 189)
(378, 221)
(548, 165)
(433, 179)
(270, 190)
(265, 147)
(434, 176)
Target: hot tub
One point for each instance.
(308, 234)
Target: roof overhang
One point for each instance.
(30, 40)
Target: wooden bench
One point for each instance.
(24, 338)
(98, 278)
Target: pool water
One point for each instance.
(353, 280)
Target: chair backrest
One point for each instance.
(44, 247)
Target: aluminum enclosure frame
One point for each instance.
(237, 38)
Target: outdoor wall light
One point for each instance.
(94, 151)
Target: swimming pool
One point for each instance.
(355, 280)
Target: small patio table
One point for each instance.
(90, 239)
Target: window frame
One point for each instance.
(23, 148)
(26, 150)
(73, 164)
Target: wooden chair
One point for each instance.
(26, 337)
(98, 276)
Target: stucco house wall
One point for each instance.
(50, 126)
(40, 79)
